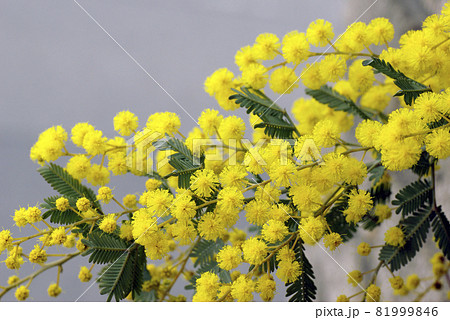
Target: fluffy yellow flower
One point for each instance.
(326, 133)
(230, 199)
(59, 236)
(78, 166)
(257, 212)
(412, 282)
(108, 223)
(394, 237)
(33, 215)
(37, 255)
(255, 76)
(54, 290)
(209, 121)
(266, 287)
(283, 80)
(98, 175)
(380, 31)
(229, 257)
(311, 230)
(359, 203)
(274, 231)
(164, 122)
(246, 56)
(295, 47)
(242, 289)
(125, 122)
(332, 68)
(62, 204)
(306, 198)
(105, 194)
(360, 77)
(266, 46)
(231, 129)
(320, 33)
(83, 204)
(85, 275)
(396, 282)
(382, 211)
(79, 131)
(208, 283)
(5, 240)
(288, 271)
(366, 132)
(354, 277)
(204, 182)
(312, 77)
(363, 249)
(209, 227)
(22, 293)
(332, 240)
(94, 143)
(373, 293)
(254, 251)
(438, 143)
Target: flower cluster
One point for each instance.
(297, 182)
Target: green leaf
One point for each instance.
(124, 275)
(275, 127)
(336, 101)
(274, 120)
(413, 196)
(65, 184)
(56, 216)
(441, 229)
(257, 103)
(104, 247)
(410, 89)
(303, 289)
(184, 162)
(437, 124)
(423, 166)
(380, 192)
(336, 220)
(205, 250)
(415, 229)
(370, 222)
(146, 296)
(376, 173)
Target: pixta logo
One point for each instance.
(142, 148)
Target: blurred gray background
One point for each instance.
(57, 67)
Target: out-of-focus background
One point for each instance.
(57, 67)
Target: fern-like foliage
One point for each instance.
(336, 220)
(336, 101)
(423, 166)
(205, 250)
(56, 216)
(303, 289)
(184, 162)
(104, 247)
(65, 184)
(410, 89)
(274, 120)
(146, 296)
(441, 229)
(415, 228)
(413, 196)
(124, 275)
